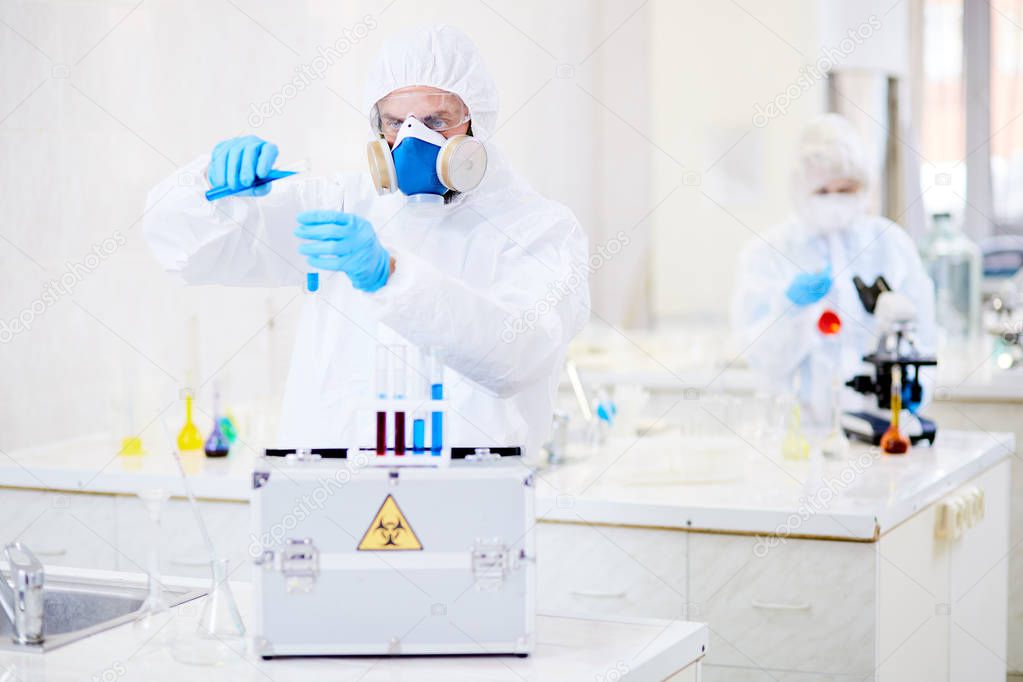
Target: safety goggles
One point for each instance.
(439, 111)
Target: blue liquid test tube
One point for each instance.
(418, 436)
(436, 421)
(419, 414)
(312, 281)
(436, 393)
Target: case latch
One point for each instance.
(302, 455)
(300, 564)
(490, 560)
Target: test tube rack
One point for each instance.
(412, 408)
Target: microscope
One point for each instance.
(897, 358)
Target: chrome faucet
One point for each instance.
(23, 603)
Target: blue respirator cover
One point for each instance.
(415, 164)
(424, 162)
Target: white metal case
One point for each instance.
(362, 560)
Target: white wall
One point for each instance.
(722, 166)
(638, 115)
(725, 178)
(100, 100)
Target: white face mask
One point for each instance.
(827, 213)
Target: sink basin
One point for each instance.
(74, 609)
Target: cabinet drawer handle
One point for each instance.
(773, 606)
(54, 551)
(597, 594)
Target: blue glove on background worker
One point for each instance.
(239, 161)
(346, 243)
(809, 288)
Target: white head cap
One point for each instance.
(437, 56)
(829, 149)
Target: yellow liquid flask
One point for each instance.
(189, 437)
(892, 441)
(795, 446)
(131, 445)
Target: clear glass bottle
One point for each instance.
(954, 263)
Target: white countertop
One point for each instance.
(567, 649)
(660, 480)
(93, 465)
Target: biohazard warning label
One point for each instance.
(389, 530)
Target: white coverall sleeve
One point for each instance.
(242, 241)
(507, 335)
(770, 331)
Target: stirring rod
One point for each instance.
(191, 496)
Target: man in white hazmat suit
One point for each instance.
(462, 252)
(795, 272)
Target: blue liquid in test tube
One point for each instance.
(436, 393)
(436, 421)
(418, 436)
(312, 281)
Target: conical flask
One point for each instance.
(219, 637)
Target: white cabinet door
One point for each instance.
(797, 605)
(995, 417)
(978, 583)
(61, 529)
(611, 571)
(943, 599)
(913, 608)
(714, 673)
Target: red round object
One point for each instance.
(829, 323)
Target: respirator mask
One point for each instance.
(412, 155)
(833, 212)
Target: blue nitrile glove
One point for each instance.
(239, 161)
(347, 243)
(809, 288)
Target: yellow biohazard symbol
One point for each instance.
(389, 530)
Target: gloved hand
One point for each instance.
(347, 243)
(239, 161)
(809, 288)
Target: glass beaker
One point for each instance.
(219, 637)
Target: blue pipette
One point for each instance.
(221, 192)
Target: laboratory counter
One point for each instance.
(568, 648)
(853, 568)
(731, 485)
(825, 568)
(659, 480)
